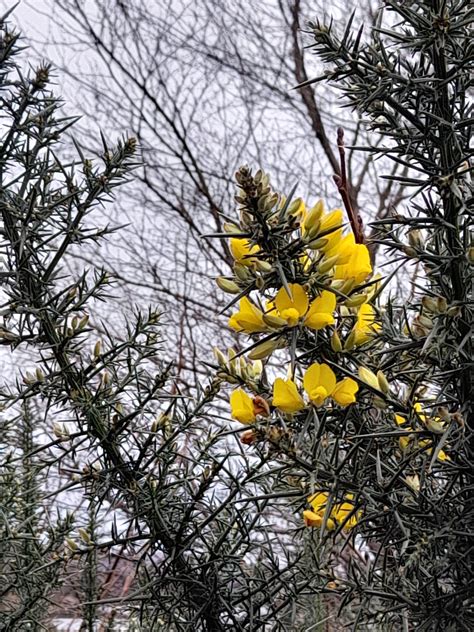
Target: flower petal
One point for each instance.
(241, 406)
(298, 299)
(286, 396)
(345, 391)
(242, 251)
(320, 313)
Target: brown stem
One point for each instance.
(344, 189)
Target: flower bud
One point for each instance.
(231, 228)
(430, 304)
(327, 264)
(71, 544)
(367, 376)
(29, 378)
(83, 322)
(263, 266)
(424, 321)
(84, 535)
(415, 238)
(257, 369)
(274, 321)
(220, 357)
(223, 375)
(443, 413)
(356, 300)
(442, 304)
(264, 349)
(384, 386)
(350, 341)
(227, 285)
(347, 286)
(336, 344)
(242, 273)
(310, 230)
(296, 208)
(97, 349)
(409, 251)
(59, 431)
(318, 243)
(470, 255)
(454, 311)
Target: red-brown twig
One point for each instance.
(344, 189)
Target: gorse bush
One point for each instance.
(370, 413)
(343, 490)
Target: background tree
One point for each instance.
(203, 89)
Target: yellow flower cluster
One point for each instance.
(287, 310)
(343, 513)
(317, 287)
(324, 232)
(319, 383)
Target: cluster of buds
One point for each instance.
(236, 369)
(33, 378)
(378, 383)
(432, 307)
(254, 194)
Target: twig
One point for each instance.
(343, 187)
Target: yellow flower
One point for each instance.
(241, 406)
(341, 513)
(434, 424)
(320, 383)
(311, 222)
(297, 209)
(442, 456)
(318, 501)
(405, 441)
(320, 313)
(312, 519)
(342, 249)
(358, 266)
(291, 308)
(345, 392)
(242, 251)
(286, 396)
(305, 261)
(248, 319)
(365, 327)
(332, 222)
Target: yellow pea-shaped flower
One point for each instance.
(286, 396)
(241, 406)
